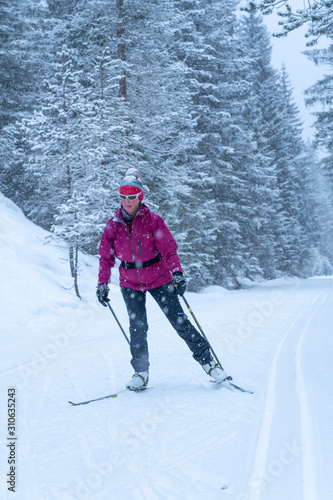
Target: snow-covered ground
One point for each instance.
(184, 438)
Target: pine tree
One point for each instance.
(210, 48)
(290, 156)
(293, 209)
(17, 77)
(321, 94)
(59, 136)
(260, 117)
(316, 217)
(22, 70)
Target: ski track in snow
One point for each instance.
(309, 466)
(308, 475)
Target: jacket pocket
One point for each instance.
(139, 245)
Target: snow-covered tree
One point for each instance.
(290, 160)
(59, 136)
(260, 116)
(209, 46)
(276, 233)
(22, 68)
(321, 94)
(315, 14)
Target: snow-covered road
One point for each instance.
(184, 438)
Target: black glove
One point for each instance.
(179, 283)
(102, 294)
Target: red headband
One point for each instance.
(131, 190)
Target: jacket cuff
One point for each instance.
(176, 270)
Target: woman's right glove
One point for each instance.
(179, 283)
(102, 294)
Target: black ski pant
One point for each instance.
(169, 303)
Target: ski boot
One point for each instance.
(216, 372)
(138, 382)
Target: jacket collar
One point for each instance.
(143, 209)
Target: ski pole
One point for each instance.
(201, 330)
(115, 317)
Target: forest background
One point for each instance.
(184, 91)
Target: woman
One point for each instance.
(149, 262)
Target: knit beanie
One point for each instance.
(131, 183)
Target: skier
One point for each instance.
(147, 250)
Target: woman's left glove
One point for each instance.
(179, 283)
(102, 294)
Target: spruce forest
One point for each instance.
(184, 91)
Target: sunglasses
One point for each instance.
(131, 197)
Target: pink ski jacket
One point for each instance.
(142, 241)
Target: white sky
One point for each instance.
(302, 72)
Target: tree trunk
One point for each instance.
(73, 247)
(121, 48)
(76, 265)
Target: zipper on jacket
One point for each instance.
(130, 230)
(139, 245)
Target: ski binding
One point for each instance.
(230, 385)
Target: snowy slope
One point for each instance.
(184, 438)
